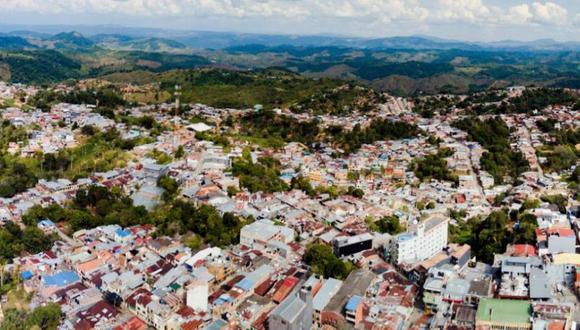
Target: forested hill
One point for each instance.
(403, 67)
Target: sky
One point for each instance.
(470, 20)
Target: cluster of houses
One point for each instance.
(111, 277)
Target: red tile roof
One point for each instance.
(287, 285)
(140, 296)
(133, 323)
(524, 250)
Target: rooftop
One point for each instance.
(503, 310)
(60, 279)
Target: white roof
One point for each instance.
(199, 127)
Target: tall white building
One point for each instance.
(421, 242)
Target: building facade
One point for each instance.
(421, 242)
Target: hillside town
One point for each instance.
(418, 232)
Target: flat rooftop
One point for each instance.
(504, 310)
(356, 283)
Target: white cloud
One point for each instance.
(519, 14)
(375, 16)
(550, 12)
(462, 10)
(384, 11)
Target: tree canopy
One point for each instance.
(323, 261)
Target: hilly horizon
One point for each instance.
(221, 40)
(399, 65)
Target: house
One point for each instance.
(324, 295)
(199, 127)
(259, 233)
(153, 170)
(52, 283)
(99, 315)
(48, 227)
(355, 284)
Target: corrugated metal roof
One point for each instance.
(326, 292)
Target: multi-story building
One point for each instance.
(294, 313)
(349, 245)
(422, 241)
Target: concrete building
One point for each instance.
(421, 242)
(323, 296)
(349, 245)
(260, 233)
(335, 313)
(500, 314)
(294, 313)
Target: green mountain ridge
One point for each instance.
(400, 71)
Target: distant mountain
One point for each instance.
(12, 42)
(165, 39)
(417, 43)
(537, 45)
(71, 40)
(149, 44)
(222, 40)
(29, 34)
(111, 38)
(404, 65)
(156, 44)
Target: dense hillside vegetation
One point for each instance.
(40, 66)
(403, 66)
(494, 135)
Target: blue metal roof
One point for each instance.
(122, 232)
(353, 302)
(27, 275)
(60, 279)
(46, 223)
(245, 284)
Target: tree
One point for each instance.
(232, 191)
(356, 192)
(494, 135)
(14, 240)
(434, 166)
(323, 261)
(389, 224)
(88, 130)
(487, 237)
(169, 185)
(261, 176)
(180, 152)
(147, 122)
(562, 157)
(302, 183)
(205, 221)
(45, 317)
(525, 229)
